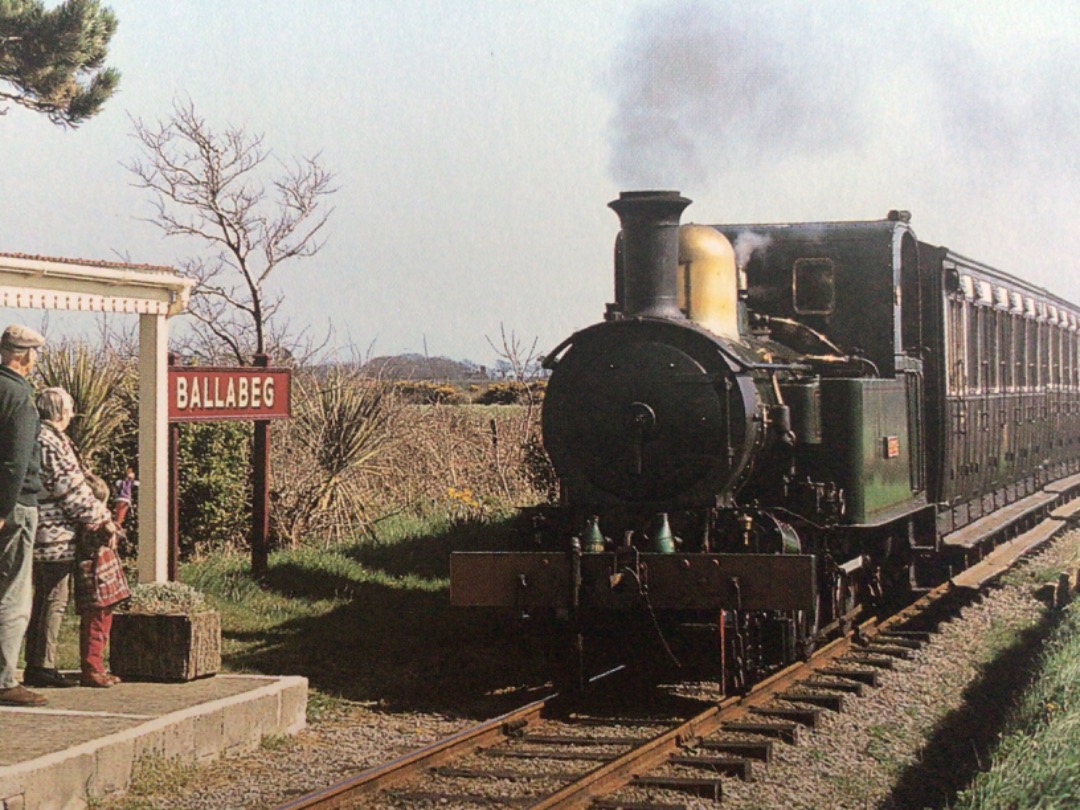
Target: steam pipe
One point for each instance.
(650, 251)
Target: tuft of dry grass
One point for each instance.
(343, 426)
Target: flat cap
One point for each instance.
(19, 338)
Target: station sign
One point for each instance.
(204, 394)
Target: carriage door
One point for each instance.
(911, 326)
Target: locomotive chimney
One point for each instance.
(650, 251)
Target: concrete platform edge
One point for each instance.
(67, 779)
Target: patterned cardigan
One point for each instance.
(65, 501)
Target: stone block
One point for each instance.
(165, 647)
(178, 739)
(293, 716)
(208, 731)
(60, 788)
(246, 723)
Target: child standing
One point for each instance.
(99, 585)
(124, 496)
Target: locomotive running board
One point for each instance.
(524, 580)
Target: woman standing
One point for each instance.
(66, 503)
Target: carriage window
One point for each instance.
(975, 375)
(1072, 360)
(1032, 355)
(1017, 325)
(814, 286)
(991, 351)
(1008, 352)
(1044, 356)
(1076, 361)
(1055, 356)
(1066, 357)
(957, 368)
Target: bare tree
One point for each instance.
(211, 186)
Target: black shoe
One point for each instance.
(40, 677)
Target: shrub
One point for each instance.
(166, 597)
(422, 392)
(513, 392)
(214, 460)
(357, 449)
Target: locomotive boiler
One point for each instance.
(761, 439)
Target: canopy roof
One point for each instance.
(43, 282)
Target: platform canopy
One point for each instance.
(152, 293)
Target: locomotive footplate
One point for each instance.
(532, 580)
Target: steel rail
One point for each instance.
(620, 771)
(380, 777)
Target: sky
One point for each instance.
(476, 143)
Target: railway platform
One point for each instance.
(85, 743)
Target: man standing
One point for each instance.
(20, 481)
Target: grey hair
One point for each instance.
(54, 404)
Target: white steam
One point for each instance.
(746, 243)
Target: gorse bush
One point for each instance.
(422, 392)
(466, 448)
(512, 393)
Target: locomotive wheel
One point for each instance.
(808, 630)
(898, 575)
(566, 659)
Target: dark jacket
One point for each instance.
(20, 456)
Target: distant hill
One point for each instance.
(420, 367)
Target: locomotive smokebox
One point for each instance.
(650, 252)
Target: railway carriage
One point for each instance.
(774, 427)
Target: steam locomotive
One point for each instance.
(773, 428)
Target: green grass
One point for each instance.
(151, 778)
(367, 622)
(1037, 758)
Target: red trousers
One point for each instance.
(94, 627)
(120, 510)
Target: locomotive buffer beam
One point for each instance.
(542, 580)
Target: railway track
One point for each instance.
(542, 757)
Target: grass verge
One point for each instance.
(1038, 755)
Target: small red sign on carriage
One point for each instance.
(207, 393)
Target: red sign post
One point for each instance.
(211, 393)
